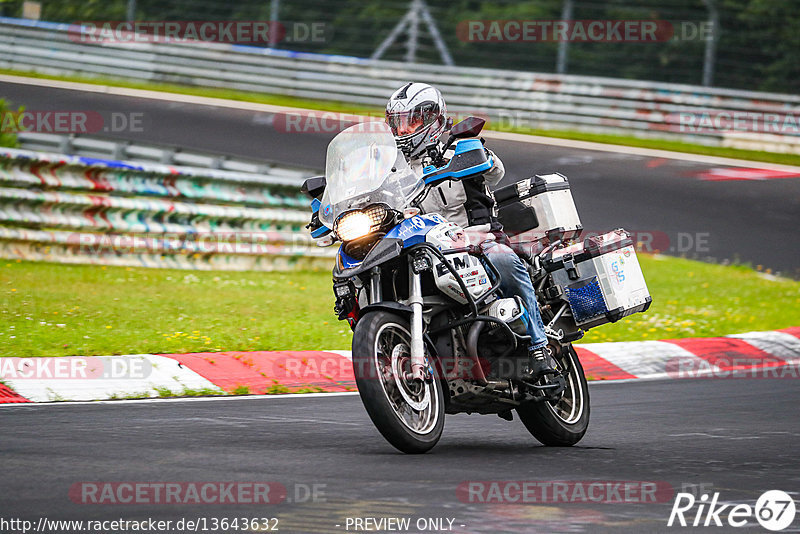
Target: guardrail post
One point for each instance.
(65, 146)
(120, 151)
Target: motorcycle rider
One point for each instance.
(417, 116)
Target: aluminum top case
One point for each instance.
(539, 209)
(600, 279)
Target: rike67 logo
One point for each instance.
(774, 510)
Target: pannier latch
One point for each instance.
(569, 266)
(523, 187)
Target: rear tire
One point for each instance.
(562, 423)
(409, 415)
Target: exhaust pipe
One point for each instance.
(472, 351)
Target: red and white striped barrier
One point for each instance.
(772, 354)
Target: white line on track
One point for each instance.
(181, 399)
(507, 136)
(121, 402)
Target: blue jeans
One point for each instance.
(516, 281)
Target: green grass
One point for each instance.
(167, 393)
(276, 389)
(7, 139)
(56, 310)
(119, 310)
(328, 105)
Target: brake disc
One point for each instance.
(408, 389)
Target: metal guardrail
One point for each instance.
(76, 209)
(544, 101)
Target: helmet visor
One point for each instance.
(405, 123)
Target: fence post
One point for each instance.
(563, 46)
(711, 43)
(274, 7)
(131, 11)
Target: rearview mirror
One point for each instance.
(314, 187)
(469, 127)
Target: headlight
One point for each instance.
(358, 223)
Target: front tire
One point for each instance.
(409, 415)
(562, 423)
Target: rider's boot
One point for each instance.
(543, 371)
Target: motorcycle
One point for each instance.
(431, 333)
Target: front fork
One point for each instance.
(418, 366)
(417, 344)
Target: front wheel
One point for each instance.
(562, 423)
(410, 415)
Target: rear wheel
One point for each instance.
(563, 422)
(409, 414)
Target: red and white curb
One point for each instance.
(772, 354)
(137, 375)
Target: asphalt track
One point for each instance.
(665, 201)
(736, 437)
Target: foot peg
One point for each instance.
(573, 336)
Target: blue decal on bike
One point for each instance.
(315, 204)
(347, 261)
(413, 230)
(321, 231)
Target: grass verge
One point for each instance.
(328, 105)
(57, 310)
(51, 310)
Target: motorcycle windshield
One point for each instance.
(363, 167)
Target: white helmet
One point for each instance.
(417, 115)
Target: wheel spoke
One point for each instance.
(392, 358)
(570, 406)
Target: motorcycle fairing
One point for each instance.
(409, 232)
(386, 249)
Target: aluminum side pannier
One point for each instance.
(600, 278)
